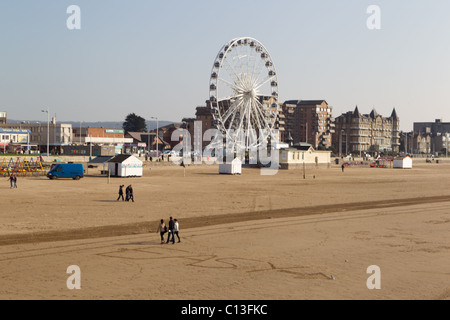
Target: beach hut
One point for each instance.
(403, 163)
(125, 165)
(235, 167)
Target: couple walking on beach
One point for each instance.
(13, 181)
(172, 230)
(129, 193)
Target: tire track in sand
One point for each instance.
(207, 221)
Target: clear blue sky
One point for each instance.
(154, 58)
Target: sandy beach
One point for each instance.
(254, 237)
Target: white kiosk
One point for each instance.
(235, 167)
(403, 163)
(125, 165)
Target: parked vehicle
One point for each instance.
(66, 171)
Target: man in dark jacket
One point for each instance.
(171, 227)
(121, 193)
(130, 195)
(11, 180)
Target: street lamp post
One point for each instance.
(80, 133)
(157, 139)
(48, 130)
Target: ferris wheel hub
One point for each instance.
(251, 94)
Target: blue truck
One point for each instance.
(66, 171)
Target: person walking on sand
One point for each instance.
(15, 181)
(171, 225)
(11, 180)
(121, 193)
(343, 167)
(130, 193)
(176, 229)
(162, 229)
(127, 193)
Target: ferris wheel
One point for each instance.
(244, 94)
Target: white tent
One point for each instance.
(235, 167)
(403, 163)
(125, 165)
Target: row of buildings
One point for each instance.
(427, 138)
(63, 138)
(312, 122)
(300, 121)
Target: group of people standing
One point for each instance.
(173, 230)
(13, 181)
(128, 192)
